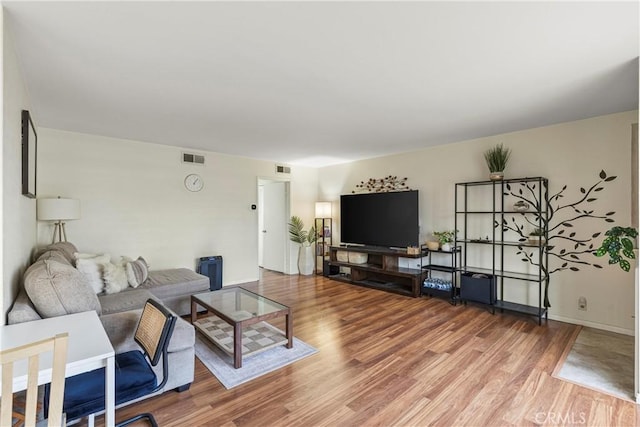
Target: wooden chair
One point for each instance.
(58, 346)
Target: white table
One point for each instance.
(89, 348)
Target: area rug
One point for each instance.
(221, 364)
(600, 360)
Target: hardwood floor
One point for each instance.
(387, 360)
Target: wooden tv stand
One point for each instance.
(381, 271)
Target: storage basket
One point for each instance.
(358, 258)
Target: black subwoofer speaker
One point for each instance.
(328, 269)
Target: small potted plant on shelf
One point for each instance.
(619, 238)
(497, 158)
(445, 238)
(536, 237)
(297, 234)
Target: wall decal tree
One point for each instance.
(570, 247)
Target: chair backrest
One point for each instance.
(32, 352)
(154, 330)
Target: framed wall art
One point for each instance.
(29, 155)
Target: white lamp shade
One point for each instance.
(58, 209)
(323, 209)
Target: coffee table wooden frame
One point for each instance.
(239, 324)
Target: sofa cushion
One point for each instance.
(84, 393)
(66, 249)
(175, 282)
(56, 289)
(130, 299)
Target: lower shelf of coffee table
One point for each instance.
(255, 338)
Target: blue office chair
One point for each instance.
(84, 394)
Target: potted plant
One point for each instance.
(298, 235)
(497, 158)
(445, 238)
(619, 239)
(536, 237)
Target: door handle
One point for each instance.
(264, 231)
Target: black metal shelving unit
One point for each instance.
(324, 229)
(451, 268)
(502, 249)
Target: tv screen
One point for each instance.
(380, 219)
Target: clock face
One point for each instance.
(193, 182)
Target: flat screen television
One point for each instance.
(380, 219)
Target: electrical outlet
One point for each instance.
(582, 304)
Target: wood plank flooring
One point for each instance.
(390, 360)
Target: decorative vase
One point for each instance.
(305, 260)
(496, 176)
(446, 247)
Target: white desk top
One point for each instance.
(89, 346)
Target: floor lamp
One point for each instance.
(58, 210)
(323, 230)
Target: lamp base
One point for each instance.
(60, 231)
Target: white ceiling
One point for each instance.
(317, 83)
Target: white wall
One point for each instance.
(569, 153)
(134, 201)
(18, 211)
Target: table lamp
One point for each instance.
(58, 210)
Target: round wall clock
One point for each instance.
(193, 182)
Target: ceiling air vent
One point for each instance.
(283, 169)
(197, 159)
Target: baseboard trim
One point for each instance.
(595, 325)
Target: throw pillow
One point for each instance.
(137, 272)
(92, 268)
(115, 278)
(56, 289)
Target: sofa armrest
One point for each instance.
(22, 310)
(121, 327)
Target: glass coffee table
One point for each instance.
(238, 324)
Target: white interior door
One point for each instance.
(260, 224)
(274, 230)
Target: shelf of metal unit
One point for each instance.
(524, 244)
(436, 267)
(500, 212)
(521, 308)
(501, 273)
(440, 293)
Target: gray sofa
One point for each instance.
(52, 286)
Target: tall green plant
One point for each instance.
(497, 158)
(297, 233)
